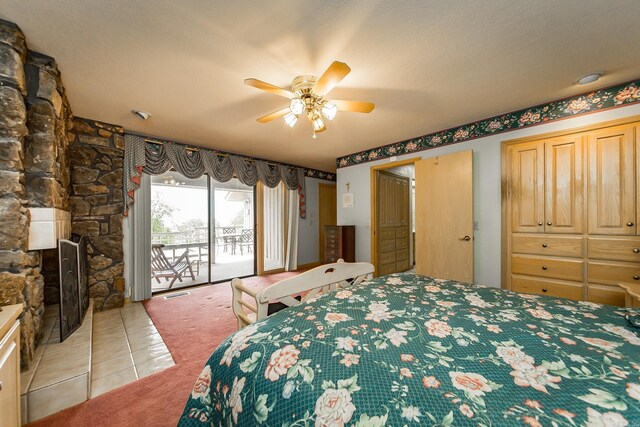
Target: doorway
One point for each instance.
(202, 231)
(393, 217)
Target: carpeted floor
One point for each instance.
(192, 327)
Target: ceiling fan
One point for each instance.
(307, 97)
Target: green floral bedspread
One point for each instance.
(411, 350)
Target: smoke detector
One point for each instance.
(142, 115)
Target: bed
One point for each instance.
(411, 350)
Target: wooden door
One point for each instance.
(444, 217)
(527, 188)
(327, 213)
(403, 208)
(564, 186)
(612, 198)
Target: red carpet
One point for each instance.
(192, 327)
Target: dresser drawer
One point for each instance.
(402, 255)
(332, 251)
(330, 258)
(402, 265)
(385, 269)
(387, 245)
(610, 295)
(402, 244)
(612, 273)
(387, 233)
(614, 249)
(332, 243)
(548, 245)
(552, 288)
(331, 231)
(564, 269)
(386, 258)
(402, 232)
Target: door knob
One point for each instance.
(629, 224)
(544, 268)
(636, 277)
(636, 251)
(465, 238)
(544, 245)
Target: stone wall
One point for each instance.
(97, 155)
(34, 171)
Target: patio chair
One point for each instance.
(246, 239)
(324, 278)
(162, 268)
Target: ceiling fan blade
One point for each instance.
(331, 77)
(259, 84)
(273, 116)
(353, 106)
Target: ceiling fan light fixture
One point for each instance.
(291, 119)
(329, 110)
(296, 106)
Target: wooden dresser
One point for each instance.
(572, 213)
(10, 366)
(393, 222)
(339, 242)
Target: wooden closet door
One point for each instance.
(612, 198)
(402, 202)
(564, 186)
(527, 188)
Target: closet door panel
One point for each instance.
(527, 188)
(564, 185)
(612, 200)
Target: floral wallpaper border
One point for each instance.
(598, 100)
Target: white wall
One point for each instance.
(308, 227)
(487, 203)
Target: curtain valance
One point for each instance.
(156, 159)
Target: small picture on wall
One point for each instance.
(347, 200)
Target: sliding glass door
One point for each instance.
(201, 231)
(179, 231)
(233, 235)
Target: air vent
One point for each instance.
(179, 294)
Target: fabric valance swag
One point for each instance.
(156, 159)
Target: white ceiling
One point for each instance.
(427, 65)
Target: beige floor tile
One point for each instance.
(52, 373)
(109, 342)
(48, 400)
(151, 352)
(106, 354)
(113, 381)
(154, 365)
(111, 366)
(111, 337)
(143, 331)
(144, 342)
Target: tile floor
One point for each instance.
(126, 347)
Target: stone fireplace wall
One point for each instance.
(34, 171)
(97, 155)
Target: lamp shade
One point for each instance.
(291, 119)
(329, 110)
(296, 106)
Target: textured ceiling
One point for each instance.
(427, 65)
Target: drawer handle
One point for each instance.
(540, 224)
(544, 268)
(544, 245)
(549, 223)
(636, 251)
(636, 277)
(544, 289)
(629, 224)
(465, 238)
